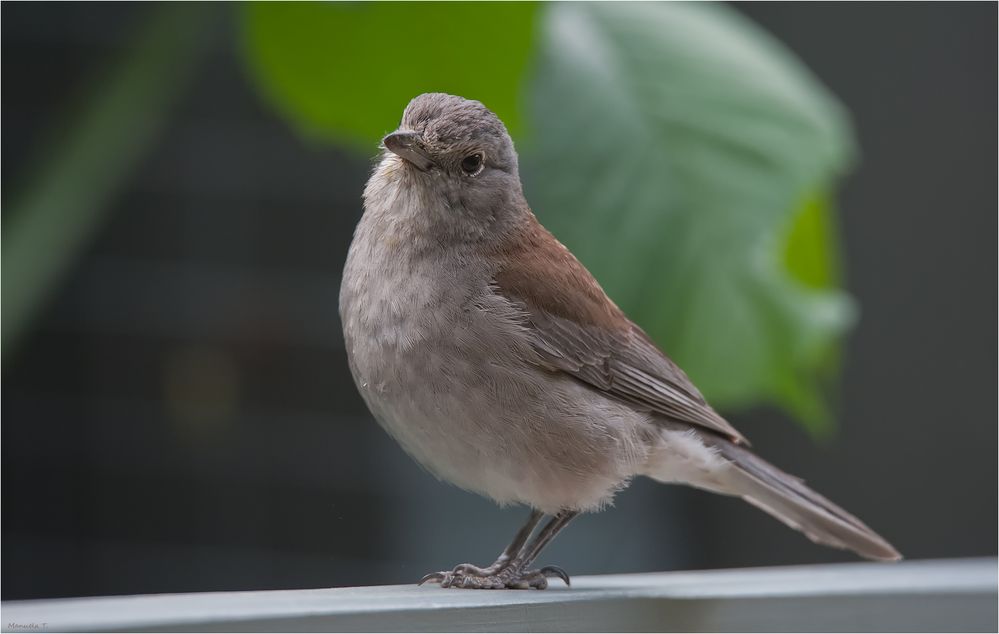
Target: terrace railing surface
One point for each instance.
(937, 595)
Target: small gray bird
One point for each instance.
(496, 360)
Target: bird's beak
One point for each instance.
(409, 146)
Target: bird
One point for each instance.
(497, 361)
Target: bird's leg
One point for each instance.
(524, 578)
(445, 578)
(512, 572)
(527, 556)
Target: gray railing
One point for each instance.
(944, 595)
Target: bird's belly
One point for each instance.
(500, 436)
(453, 386)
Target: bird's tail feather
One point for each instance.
(789, 500)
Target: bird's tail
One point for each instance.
(789, 500)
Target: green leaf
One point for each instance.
(345, 71)
(810, 254)
(678, 150)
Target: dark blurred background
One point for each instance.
(180, 415)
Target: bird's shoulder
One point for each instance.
(537, 269)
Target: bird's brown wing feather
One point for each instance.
(577, 329)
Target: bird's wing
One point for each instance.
(575, 328)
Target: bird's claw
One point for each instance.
(555, 571)
(433, 576)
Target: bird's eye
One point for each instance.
(472, 164)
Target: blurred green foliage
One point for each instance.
(681, 152)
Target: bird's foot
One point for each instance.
(512, 576)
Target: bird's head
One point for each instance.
(455, 152)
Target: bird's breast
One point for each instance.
(413, 325)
